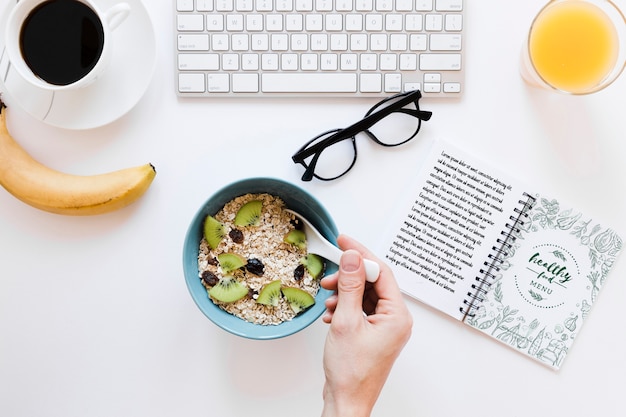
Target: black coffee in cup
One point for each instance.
(61, 41)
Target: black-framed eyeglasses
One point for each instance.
(332, 154)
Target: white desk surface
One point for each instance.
(95, 317)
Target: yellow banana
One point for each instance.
(57, 192)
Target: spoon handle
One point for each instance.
(372, 270)
(333, 254)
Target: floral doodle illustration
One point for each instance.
(502, 317)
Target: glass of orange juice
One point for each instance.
(575, 46)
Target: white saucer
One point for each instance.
(111, 96)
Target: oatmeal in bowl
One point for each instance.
(245, 259)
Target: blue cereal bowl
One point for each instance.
(296, 199)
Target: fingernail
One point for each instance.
(350, 261)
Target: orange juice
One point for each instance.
(573, 45)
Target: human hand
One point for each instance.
(369, 326)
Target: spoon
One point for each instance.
(319, 245)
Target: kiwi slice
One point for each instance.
(270, 294)
(230, 262)
(297, 238)
(214, 231)
(298, 299)
(228, 290)
(249, 214)
(314, 264)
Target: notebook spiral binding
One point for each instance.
(500, 251)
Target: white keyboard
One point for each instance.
(227, 48)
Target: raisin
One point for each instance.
(236, 235)
(209, 278)
(298, 274)
(255, 266)
(212, 261)
(297, 224)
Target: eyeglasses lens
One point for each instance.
(397, 127)
(335, 160)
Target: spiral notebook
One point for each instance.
(484, 248)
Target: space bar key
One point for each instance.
(308, 83)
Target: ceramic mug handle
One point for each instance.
(116, 15)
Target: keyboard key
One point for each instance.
(329, 62)
(260, 42)
(394, 22)
(250, 62)
(412, 86)
(354, 22)
(284, 5)
(339, 42)
(304, 5)
(432, 87)
(408, 62)
(299, 42)
(264, 5)
(218, 83)
(398, 42)
(388, 62)
(308, 62)
(453, 23)
(449, 5)
(323, 5)
(245, 83)
(204, 5)
(384, 5)
(343, 5)
(371, 83)
(349, 62)
(418, 42)
(294, 22)
(312, 83)
(193, 42)
(432, 77)
(423, 5)
(184, 5)
(191, 83)
(368, 62)
(334, 22)
(374, 22)
(190, 22)
(198, 62)
(358, 42)
(364, 5)
(230, 62)
(314, 22)
(433, 22)
(393, 83)
(244, 5)
(414, 22)
(452, 87)
(224, 5)
(254, 22)
(269, 62)
(215, 22)
(404, 5)
(445, 42)
(440, 62)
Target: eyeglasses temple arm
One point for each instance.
(310, 168)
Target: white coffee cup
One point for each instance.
(34, 49)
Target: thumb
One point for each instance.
(350, 283)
